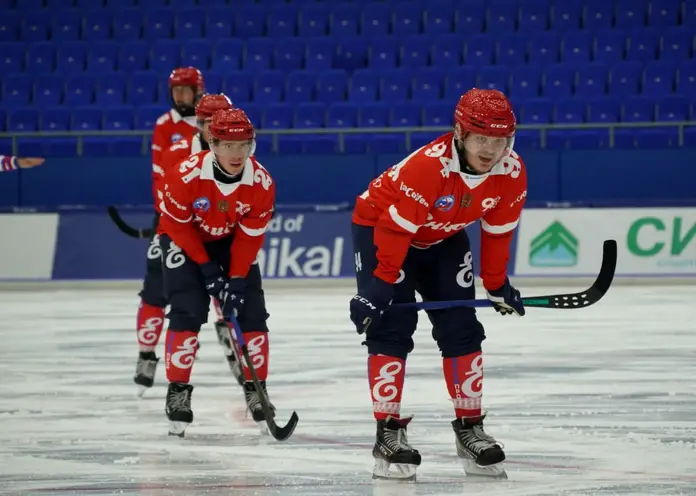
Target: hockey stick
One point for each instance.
(145, 233)
(279, 433)
(567, 301)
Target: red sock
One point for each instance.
(386, 375)
(258, 346)
(149, 322)
(180, 353)
(464, 377)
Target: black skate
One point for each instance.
(394, 458)
(178, 408)
(481, 454)
(223, 335)
(254, 404)
(145, 371)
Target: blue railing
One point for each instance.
(340, 133)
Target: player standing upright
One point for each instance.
(215, 209)
(408, 236)
(186, 86)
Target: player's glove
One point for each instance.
(214, 279)
(367, 306)
(506, 299)
(233, 296)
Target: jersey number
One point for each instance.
(187, 165)
(261, 177)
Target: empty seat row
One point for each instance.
(289, 54)
(364, 86)
(336, 20)
(346, 115)
(374, 143)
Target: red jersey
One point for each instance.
(197, 209)
(427, 198)
(169, 129)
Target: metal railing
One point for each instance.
(341, 132)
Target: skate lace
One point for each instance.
(397, 440)
(146, 368)
(179, 401)
(476, 439)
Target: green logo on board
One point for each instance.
(554, 247)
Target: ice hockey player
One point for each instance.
(186, 86)
(215, 209)
(9, 162)
(408, 235)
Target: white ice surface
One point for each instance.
(594, 401)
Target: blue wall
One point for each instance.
(603, 177)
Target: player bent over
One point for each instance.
(215, 210)
(408, 236)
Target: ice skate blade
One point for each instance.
(489, 472)
(403, 472)
(177, 428)
(141, 390)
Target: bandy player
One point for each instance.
(186, 87)
(215, 209)
(148, 335)
(408, 235)
(9, 162)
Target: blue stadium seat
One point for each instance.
(41, 57)
(373, 115)
(118, 118)
(415, 52)
(189, 24)
(72, 57)
(567, 16)
(394, 86)
(659, 78)
(363, 86)
(158, 24)
(282, 21)
(570, 111)
(147, 115)
(35, 26)
(344, 21)
(610, 46)
(255, 114)
(213, 82)
(537, 111)
(599, 15)
(227, 54)
(511, 50)
(314, 20)
(332, 86)
(96, 25)
(438, 114)
(427, 85)
(23, 120)
(268, 87)
(165, 56)
(66, 26)
(494, 78)
(577, 47)
(300, 86)
(142, 88)
(458, 81)
(407, 115)
(502, 18)
(638, 109)
(341, 115)
(631, 13)
(48, 91)
(110, 90)
(12, 57)
(543, 49)
(686, 84)
(642, 45)
(673, 108)
(625, 78)
(87, 119)
(525, 82)
(102, 57)
(289, 54)
(238, 86)
(479, 50)
(376, 19)
(79, 90)
(17, 90)
(219, 23)
(196, 53)
(677, 44)
(665, 13)
(383, 52)
(250, 21)
(277, 116)
(127, 25)
(471, 19)
(604, 110)
(55, 119)
(352, 53)
(259, 54)
(10, 25)
(592, 80)
(309, 115)
(447, 51)
(558, 81)
(407, 20)
(132, 56)
(534, 18)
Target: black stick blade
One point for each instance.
(592, 294)
(125, 228)
(283, 433)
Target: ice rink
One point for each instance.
(594, 401)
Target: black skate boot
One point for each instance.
(481, 454)
(254, 404)
(178, 408)
(394, 458)
(230, 354)
(145, 371)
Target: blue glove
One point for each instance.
(232, 299)
(506, 300)
(367, 306)
(214, 279)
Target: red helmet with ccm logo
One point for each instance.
(209, 104)
(187, 76)
(231, 125)
(486, 112)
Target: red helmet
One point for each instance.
(187, 76)
(231, 125)
(209, 104)
(486, 112)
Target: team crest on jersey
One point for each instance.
(176, 137)
(466, 200)
(223, 206)
(202, 204)
(445, 203)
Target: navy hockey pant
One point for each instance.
(152, 292)
(185, 289)
(441, 272)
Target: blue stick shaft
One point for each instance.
(441, 305)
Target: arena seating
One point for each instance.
(103, 64)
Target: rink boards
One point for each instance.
(312, 243)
